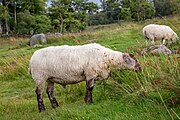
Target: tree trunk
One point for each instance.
(15, 16)
(137, 10)
(62, 22)
(6, 26)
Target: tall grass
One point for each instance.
(150, 94)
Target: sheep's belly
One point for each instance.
(65, 81)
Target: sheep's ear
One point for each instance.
(131, 55)
(125, 55)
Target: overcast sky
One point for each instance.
(95, 1)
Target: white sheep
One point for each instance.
(72, 64)
(38, 37)
(159, 32)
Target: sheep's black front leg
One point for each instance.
(89, 88)
(41, 106)
(50, 92)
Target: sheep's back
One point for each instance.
(157, 31)
(65, 62)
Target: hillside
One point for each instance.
(126, 95)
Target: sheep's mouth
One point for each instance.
(138, 68)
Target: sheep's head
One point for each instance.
(130, 62)
(175, 38)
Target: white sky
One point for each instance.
(95, 1)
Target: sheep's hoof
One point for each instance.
(55, 104)
(88, 100)
(42, 109)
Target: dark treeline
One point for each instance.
(35, 16)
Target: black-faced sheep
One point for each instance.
(159, 32)
(72, 64)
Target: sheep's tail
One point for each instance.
(29, 70)
(145, 35)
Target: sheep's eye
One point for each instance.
(128, 61)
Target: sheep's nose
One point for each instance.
(138, 68)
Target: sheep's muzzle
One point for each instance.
(138, 67)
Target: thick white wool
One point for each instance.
(159, 32)
(72, 64)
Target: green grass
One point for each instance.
(152, 94)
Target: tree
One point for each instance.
(57, 13)
(166, 7)
(69, 15)
(4, 15)
(42, 24)
(98, 18)
(25, 22)
(176, 8)
(162, 7)
(125, 14)
(92, 8)
(33, 6)
(10, 8)
(140, 9)
(112, 8)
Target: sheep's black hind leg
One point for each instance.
(39, 94)
(89, 88)
(50, 92)
(146, 38)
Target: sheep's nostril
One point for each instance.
(137, 68)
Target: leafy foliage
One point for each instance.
(140, 9)
(42, 24)
(166, 7)
(125, 14)
(65, 16)
(69, 16)
(25, 22)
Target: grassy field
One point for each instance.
(152, 94)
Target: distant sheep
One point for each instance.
(156, 50)
(159, 32)
(37, 38)
(73, 64)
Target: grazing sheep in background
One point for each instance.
(73, 64)
(156, 50)
(159, 32)
(38, 37)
